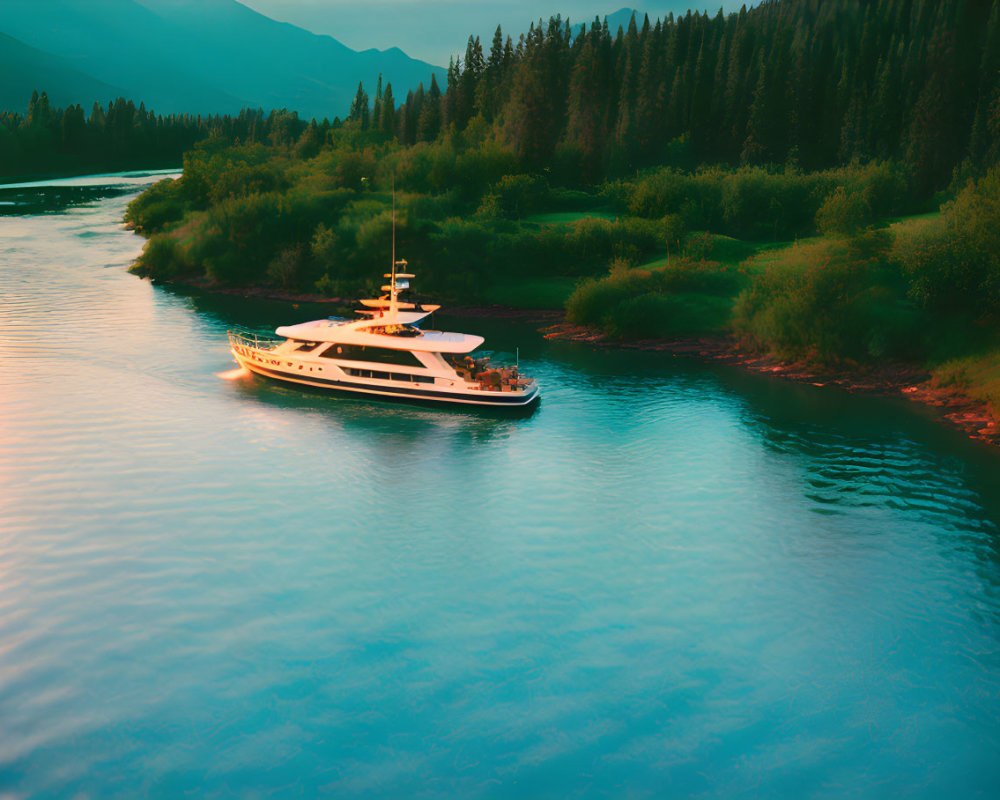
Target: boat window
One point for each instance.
(305, 347)
(388, 376)
(377, 355)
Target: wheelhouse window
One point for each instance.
(376, 355)
(305, 347)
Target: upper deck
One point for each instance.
(360, 332)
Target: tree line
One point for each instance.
(808, 84)
(122, 136)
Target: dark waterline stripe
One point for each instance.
(414, 394)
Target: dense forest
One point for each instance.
(810, 84)
(744, 174)
(50, 141)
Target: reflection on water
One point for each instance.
(671, 579)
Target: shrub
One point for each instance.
(514, 196)
(240, 179)
(156, 208)
(687, 298)
(161, 259)
(854, 306)
(241, 236)
(844, 213)
(963, 273)
(284, 269)
(756, 203)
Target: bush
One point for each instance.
(684, 299)
(240, 179)
(161, 259)
(284, 270)
(755, 203)
(844, 213)
(959, 272)
(853, 307)
(241, 236)
(156, 208)
(514, 196)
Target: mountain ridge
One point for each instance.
(26, 69)
(179, 56)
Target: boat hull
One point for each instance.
(401, 393)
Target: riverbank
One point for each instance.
(893, 379)
(972, 416)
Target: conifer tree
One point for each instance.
(453, 99)
(360, 112)
(387, 120)
(39, 111)
(468, 80)
(429, 121)
(377, 107)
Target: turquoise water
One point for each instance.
(671, 579)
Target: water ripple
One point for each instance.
(670, 579)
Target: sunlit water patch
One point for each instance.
(670, 579)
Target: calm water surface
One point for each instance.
(672, 579)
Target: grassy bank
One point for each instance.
(468, 220)
(922, 290)
(839, 268)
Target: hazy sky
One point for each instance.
(432, 30)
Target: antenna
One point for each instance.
(392, 277)
(394, 229)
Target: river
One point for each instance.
(671, 579)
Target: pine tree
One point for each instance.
(377, 108)
(309, 142)
(360, 112)
(984, 146)
(73, 128)
(387, 120)
(453, 97)
(468, 81)
(411, 114)
(39, 111)
(429, 121)
(487, 99)
(587, 122)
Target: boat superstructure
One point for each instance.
(385, 353)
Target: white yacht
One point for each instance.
(385, 353)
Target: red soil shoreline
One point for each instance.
(974, 417)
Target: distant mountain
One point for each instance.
(25, 69)
(206, 56)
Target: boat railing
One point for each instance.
(251, 340)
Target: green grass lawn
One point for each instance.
(915, 219)
(545, 293)
(564, 217)
(726, 250)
